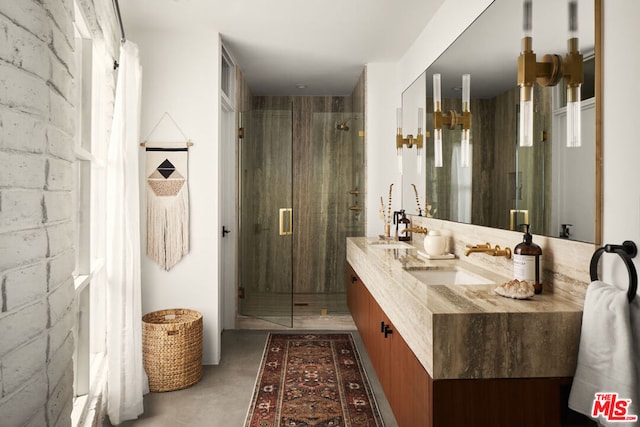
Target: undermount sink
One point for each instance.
(448, 276)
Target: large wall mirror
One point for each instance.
(550, 186)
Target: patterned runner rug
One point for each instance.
(312, 380)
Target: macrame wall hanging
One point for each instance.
(167, 199)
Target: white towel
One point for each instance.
(609, 354)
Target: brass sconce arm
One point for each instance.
(548, 72)
(572, 68)
(552, 68)
(410, 140)
(527, 68)
(452, 119)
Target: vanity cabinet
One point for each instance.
(404, 381)
(417, 400)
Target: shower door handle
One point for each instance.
(286, 227)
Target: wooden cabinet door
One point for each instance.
(358, 298)
(411, 385)
(406, 382)
(378, 348)
(403, 379)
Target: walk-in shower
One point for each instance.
(302, 179)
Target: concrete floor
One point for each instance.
(222, 397)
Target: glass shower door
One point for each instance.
(266, 215)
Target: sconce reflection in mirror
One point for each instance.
(452, 119)
(549, 72)
(410, 141)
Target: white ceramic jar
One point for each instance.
(434, 243)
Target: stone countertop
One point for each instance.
(468, 331)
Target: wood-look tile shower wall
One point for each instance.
(326, 164)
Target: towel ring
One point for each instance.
(626, 251)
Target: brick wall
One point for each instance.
(37, 125)
(36, 178)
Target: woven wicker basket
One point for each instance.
(172, 348)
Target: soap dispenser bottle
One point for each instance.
(402, 226)
(526, 261)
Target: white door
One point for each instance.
(228, 218)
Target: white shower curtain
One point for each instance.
(126, 379)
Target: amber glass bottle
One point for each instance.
(526, 261)
(404, 224)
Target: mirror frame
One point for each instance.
(599, 100)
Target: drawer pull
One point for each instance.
(387, 331)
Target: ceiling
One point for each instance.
(280, 44)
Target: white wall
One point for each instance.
(382, 99)
(621, 147)
(181, 77)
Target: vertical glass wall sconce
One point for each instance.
(399, 139)
(526, 77)
(437, 121)
(410, 141)
(574, 76)
(548, 72)
(466, 109)
(452, 119)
